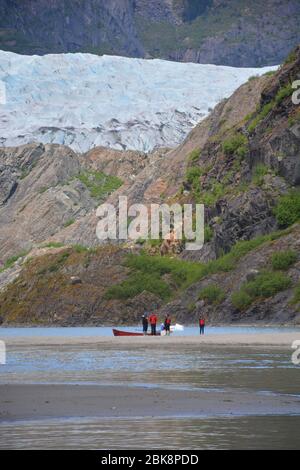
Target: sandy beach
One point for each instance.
(259, 339)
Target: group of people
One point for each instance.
(165, 326)
(152, 319)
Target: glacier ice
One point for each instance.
(84, 100)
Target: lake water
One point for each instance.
(262, 370)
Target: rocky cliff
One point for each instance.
(242, 162)
(227, 32)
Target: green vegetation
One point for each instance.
(283, 260)
(259, 173)
(181, 274)
(269, 74)
(283, 93)
(291, 58)
(194, 156)
(212, 294)
(43, 189)
(99, 184)
(252, 78)
(69, 222)
(287, 211)
(193, 174)
(136, 284)
(241, 300)
(237, 144)
(294, 119)
(261, 116)
(81, 248)
(57, 264)
(53, 245)
(296, 298)
(265, 285)
(267, 108)
(13, 259)
(208, 233)
(212, 195)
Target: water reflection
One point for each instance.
(269, 432)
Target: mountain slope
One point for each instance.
(227, 32)
(243, 162)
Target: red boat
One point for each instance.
(130, 333)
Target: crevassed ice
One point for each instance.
(83, 100)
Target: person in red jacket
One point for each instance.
(153, 321)
(167, 324)
(201, 325)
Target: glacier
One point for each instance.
(84, 100)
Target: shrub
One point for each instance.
(211, 196)
(284, 259)
(13, 259)
(260, 171)
(53, 245)
(267, 284)
(69, 222)
(56, 265)
(208, 233)
(284, 93)
(193, 173)
(194, 156)
(236, 144)
(269, 74)
(213, 294)
(267, 108)
(291, 57)
(136, 284)
(99, 184)
(287, 211)
(241, 300)
(296, 298)
(80, 248)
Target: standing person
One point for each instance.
(153, 321)
(201, 325)
(167, 324)
(145, 323)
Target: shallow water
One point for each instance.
(254, 432)
(260, 369)
(107, 331)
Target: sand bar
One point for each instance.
(252, 339)
(29, 402)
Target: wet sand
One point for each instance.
(31, 402)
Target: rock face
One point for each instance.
(205, 31)
(42, 193)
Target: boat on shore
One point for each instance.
(130, 333)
